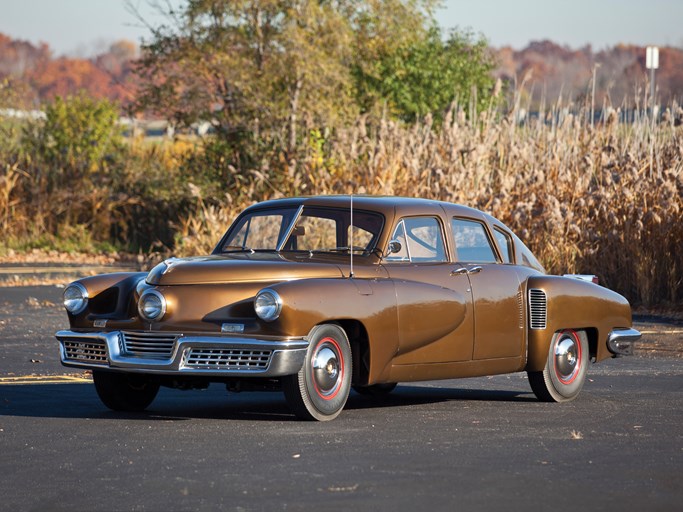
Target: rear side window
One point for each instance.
(472, 242)
(505, 244)
(526, 257)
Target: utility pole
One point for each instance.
(595, 68)
(652, 63)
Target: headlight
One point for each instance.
(75, 298)
(268, 305)
(152, 305)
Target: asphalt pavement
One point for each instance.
(469, 444)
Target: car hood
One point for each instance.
(227, 269)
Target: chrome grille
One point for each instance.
(537, 309)
(91, 351)
(520, 308)
(228, 359)
(149, 345)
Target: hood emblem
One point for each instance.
(232, 328)
(169, 263)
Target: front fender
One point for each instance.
(372, 302)
(108, 296)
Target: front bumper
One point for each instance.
(621, 341)
(180, 354)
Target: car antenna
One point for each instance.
(351, 241)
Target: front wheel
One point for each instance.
(565, 368)
(124, 391)
(320, 390)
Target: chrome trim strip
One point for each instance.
(589, 278)
(287, 354)
(621, 341)
(290, 228)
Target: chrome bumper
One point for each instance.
(621, 341)
(212, 356)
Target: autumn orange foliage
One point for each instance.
(549, 70)
(39, 77)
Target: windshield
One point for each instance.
(311, 229)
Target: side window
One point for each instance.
(505, 243)
(400, 235)
(317, 233)
(361, 237)
(472, 243)
(260, 231)
(421, 241)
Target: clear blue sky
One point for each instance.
(83, 27)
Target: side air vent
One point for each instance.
(538, 309)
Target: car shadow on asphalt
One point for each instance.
(81, 401)
(406, 395)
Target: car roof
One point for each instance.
(385, 204)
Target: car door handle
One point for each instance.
(463, 270)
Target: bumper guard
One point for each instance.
(621, 341)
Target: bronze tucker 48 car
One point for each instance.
(315, 296)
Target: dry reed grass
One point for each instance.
(605, 200)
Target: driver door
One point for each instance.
(435, 314)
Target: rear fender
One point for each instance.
(573, 304)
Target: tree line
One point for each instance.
(274, 69)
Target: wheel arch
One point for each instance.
(592, 335)
(359, 340)
(538, 349)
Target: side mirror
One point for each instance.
(394, 247)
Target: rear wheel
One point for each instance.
(124, 391)
(565, 369)
(320, 390)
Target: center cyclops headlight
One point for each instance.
(152, 305)
(268, 305)
(75, 298)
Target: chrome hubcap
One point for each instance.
(566, 358)
(326, 369)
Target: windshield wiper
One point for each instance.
(339, 249)
(238, 248)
